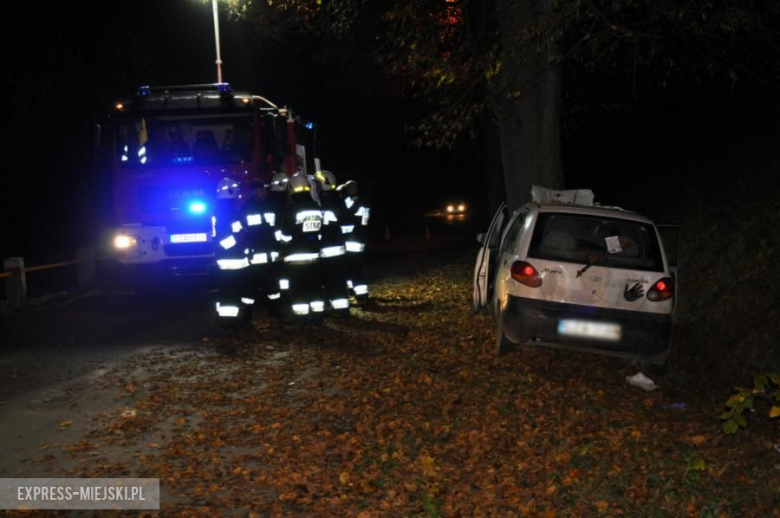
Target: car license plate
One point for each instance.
(189, 238)
(587, 329)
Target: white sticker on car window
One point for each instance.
(613, 244)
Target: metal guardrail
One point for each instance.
(15, 274)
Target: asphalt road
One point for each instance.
(60, 339)
(53, 353)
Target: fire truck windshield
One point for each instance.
(168, 140)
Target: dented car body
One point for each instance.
(577, 276)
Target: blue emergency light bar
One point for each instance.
(221, 88)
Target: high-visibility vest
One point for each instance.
(299, 232)
(354, 225)
(333, 237)
(260, 223)
(228, 237)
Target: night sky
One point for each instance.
(69, 62)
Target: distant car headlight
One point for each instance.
(123, 242)
(450, 208)
(461, 207)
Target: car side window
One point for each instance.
(514, 232)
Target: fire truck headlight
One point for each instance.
(196, 207)
(123, 242)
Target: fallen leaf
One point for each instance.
(427, 465)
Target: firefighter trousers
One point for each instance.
(263, 282)
(334, 276)
(356, 279)
(305, 293)
(233, 295)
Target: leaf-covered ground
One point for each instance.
(402, 409)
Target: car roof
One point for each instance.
(591, 210)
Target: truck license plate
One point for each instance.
(189, 238)
(586, 329)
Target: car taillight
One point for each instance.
(526, 274)
(661, 290)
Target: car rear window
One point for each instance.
(575, 238)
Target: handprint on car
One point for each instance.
(635, 292)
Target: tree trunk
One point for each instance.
(527, 101)
(492, 170)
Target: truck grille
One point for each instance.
(182, 249)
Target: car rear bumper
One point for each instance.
(643, 336)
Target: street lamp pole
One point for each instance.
(216, 39)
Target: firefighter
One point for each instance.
(332, 247)
(278, 194)
(230, 253)
(277, 201)
(354, 227)
(259, 220)
(299, 235)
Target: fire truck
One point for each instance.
(171, 146)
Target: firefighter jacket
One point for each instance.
(277, 201)
(299, 230)
(333, 242)
(259, 220)
(355, 223)
(229, 240)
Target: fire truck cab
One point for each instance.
(171, 146)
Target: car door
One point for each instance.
(670, 238)
(486, 257)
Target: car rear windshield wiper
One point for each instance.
(592, 259)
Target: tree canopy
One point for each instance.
(450, 52)
(512, 62)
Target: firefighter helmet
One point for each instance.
(227, 189)
(350, 187)
(279, 182)
(299, 183)
(257, 184)
(326, 179)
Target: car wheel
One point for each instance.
(503, 345)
